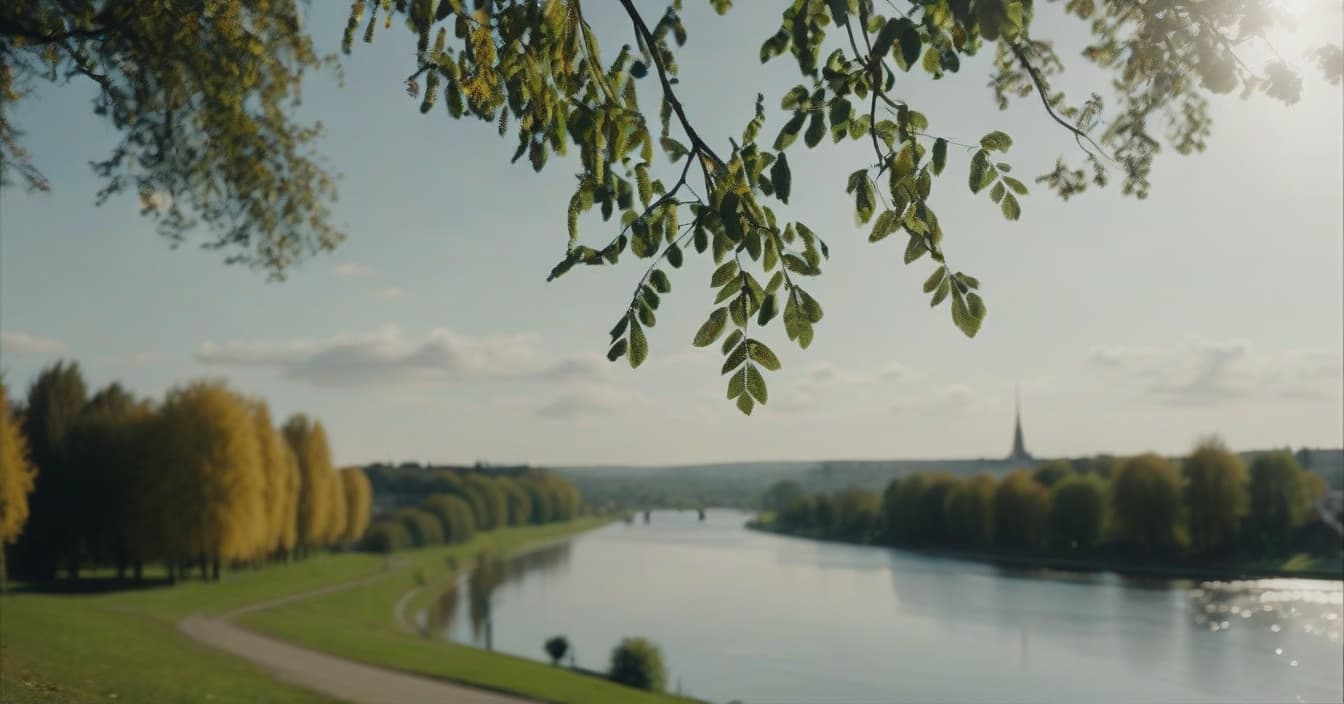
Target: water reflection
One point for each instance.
(487, 574)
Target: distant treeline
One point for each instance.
(198, 479)
(1208, 505)
(434, 505)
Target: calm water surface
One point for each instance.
(763, 618)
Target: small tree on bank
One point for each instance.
(556, 647)
(638, 663)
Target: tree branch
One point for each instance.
(1045, 98)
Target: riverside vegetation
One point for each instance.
(1206, 511)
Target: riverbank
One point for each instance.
(362, 624)
(1296, 567)
(126, 646)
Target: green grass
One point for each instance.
(60, 649)
(124, 646)
(359, 624)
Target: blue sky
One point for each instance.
(1215, 306)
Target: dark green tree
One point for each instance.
(781, 494)
(1052, 472)
(638, 663)
(556, 647)
(52, 538)
(1279, 497)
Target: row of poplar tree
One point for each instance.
(451, 505)
(198, 479)
(1210, 504)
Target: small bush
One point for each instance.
(638, 663)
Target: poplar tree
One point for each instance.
(358, 504)
(16, 478)
(309, 442)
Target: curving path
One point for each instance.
(334, 676)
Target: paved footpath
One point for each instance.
(334, 676)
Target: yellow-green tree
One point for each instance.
(1215, 496)
(289, 521)
(213, 482)
(16, 478)
(358, 504)
(309, 441)
(1146, 502)
(969, 510)
(1021, 511)
(336, 516)
(282, 482)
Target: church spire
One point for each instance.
(1020, 453)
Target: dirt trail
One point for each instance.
(328, 674)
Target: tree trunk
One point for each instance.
(139, 571)
(215, 569)
(205, 570)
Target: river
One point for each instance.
(754, 617)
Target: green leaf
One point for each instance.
(939, 155)
(646, 315)
(660, 282)
(840, 111)
(1011, 209)
(781, 178)
(617, 350)
(944, 288)
(724, 273)
(886, 37)
(1017, 186)
(975, 306)
(775, 282)
(816, 129)
(804, 336)
(737, 310)
(733, 340)
(935, 279)
(996, 193)
(910, 45)
(768, 311)
(619, 329)
(755, 383)
(970, 281)
(914, 249)
(790, 131)
(675, 150)
(735, 358)
(809, 306)
(737, 383)
(979, 170)
(745, 404)
(864, 200)
(996, 141)
(712, 328)
(639, 345)
(883, 226)
(674, 256)
(763, 356)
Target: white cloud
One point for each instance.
(351, 270)
(15, 342)
(591, 400)
(952, 398)
(1212, 371)
(387, 355)
(390, 294)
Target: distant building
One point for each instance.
(1019, 453)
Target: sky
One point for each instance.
(1215, 306)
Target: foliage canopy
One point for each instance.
(203, 100)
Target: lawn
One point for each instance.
(359, 624)
(124, 646)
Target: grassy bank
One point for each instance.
(359, 624)
(1299, 566)
(124, 646)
